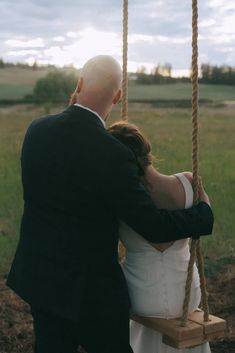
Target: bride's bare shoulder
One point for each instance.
(179, 189)
(168, 192)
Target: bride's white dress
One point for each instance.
(156, 283)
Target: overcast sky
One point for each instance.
(71, 31)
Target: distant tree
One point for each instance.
(2, 64)
(216, 74)
(162, 74)
(144, 79)
(35, 65)
(205, 73)
(228, 75)
(156, 74)
(219, 75)
(164, 70)
(141, 70)
(57, 86)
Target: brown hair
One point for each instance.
(132, 137)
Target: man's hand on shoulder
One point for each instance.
(202, 193)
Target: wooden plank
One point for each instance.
(215, 335)
(171, 327)
(214, 325)
(190, 343)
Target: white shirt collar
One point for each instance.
(92, 111)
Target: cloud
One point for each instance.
(71, 34)
(58, 39)
(23, 52)
(62, 32)
(138, 38)
(33, 43)
(222, 5)
(207, 23)
(85, 44)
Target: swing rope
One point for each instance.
(124, 114)
(195, 249)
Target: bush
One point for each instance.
(57, 86)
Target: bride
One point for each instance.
(156, 273)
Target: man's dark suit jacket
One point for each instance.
(78, 181)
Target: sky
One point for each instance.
(63, 32)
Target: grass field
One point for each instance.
(170, 133)
(15, 83)
(180, 91)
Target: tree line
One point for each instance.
(210, 74)
(22, 65)
(58, 84)
(217, 75)
(160, 74)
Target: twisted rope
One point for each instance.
(195, 250)
(124, 112)
(201, 271)
(188, 282)
(195, 98)
(124, 60)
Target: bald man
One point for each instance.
(78, 182)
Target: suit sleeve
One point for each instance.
(121, 189)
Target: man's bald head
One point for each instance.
(102, 72)
(99, 85)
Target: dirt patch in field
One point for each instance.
(222, 303)
(16, 323)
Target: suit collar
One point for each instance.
(92, 111)
(79, 109)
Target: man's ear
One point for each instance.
(79, 85)
(117, 97)
(74, 96)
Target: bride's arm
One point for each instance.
(202, 193)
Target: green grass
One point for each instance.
(170, 133)
(9, 91)
(180, 91)
(16, 82)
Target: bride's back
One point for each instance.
(156, 273)
(167, 192)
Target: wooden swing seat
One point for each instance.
(196, 331)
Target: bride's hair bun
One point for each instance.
(132, 137)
